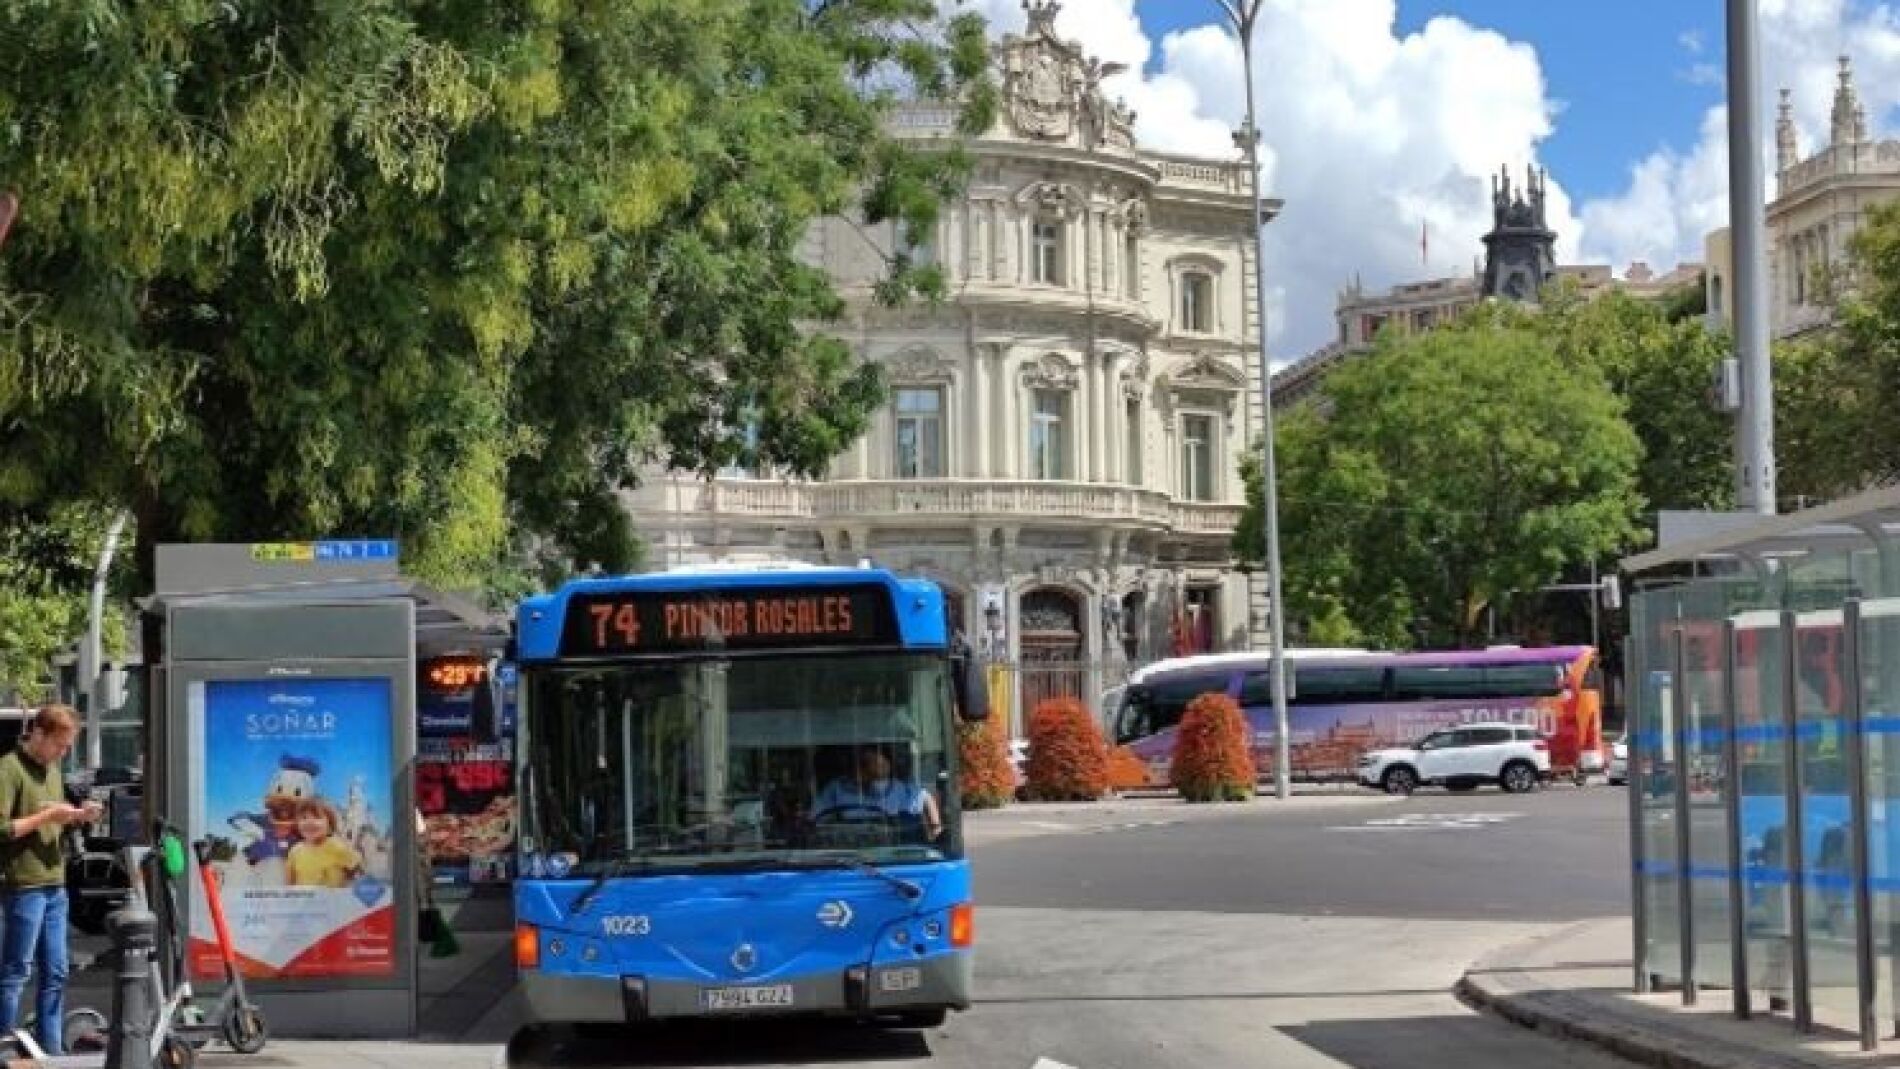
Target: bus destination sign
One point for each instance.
(660, 622)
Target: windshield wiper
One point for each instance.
(859, 863)
(625, 863)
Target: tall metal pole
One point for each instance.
(1750, 234)
(91, 656)
(1243, 19)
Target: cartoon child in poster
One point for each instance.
(322, 856)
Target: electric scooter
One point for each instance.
(235, 1018)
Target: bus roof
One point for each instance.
(916, 605)
(1213, 660)
(1503, 655)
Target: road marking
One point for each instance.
(1131, 826)
(1447, 821)
(1050, 1063)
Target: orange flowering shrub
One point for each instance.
(988, 779)
(1125, 770)
(1068, 761)
(1212, 759)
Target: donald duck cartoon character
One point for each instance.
(294, 782)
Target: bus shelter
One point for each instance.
(1764, 766)
(283, 732)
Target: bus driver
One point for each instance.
(874, 788)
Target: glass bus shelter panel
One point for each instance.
(1880, 676)
(1653, 748)
(1761, 743)
(1703, 662)
(1821, 697)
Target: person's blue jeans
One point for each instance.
(36, 931)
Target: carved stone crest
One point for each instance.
(1050, 372)
(919, 363)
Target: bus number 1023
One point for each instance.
(627, 924)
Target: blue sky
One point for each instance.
(1622, 71)
(1387, 118)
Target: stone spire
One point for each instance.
(1849, 119)
(1042, 15)
(1786, 152)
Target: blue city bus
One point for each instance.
(739, 796)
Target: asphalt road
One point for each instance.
(1320, 934)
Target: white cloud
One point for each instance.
(1369, 135)
(1674, 197)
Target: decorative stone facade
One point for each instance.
(1062, 446)
(1820, 204)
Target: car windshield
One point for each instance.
(770, 761)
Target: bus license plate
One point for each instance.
(748, 998)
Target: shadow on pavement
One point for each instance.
(716, 1043)
(1446, 1042)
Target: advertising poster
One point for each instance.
(1328, 740)
(466, 794)
(464, 782)
(297, 786)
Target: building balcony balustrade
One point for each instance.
(944, 501)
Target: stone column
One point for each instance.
(998, 248)
(1098, 416)
(1116, 413)
(975, 461)
(1009, 429)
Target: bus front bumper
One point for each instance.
(943, 980)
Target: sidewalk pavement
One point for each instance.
(1577, 984)
(359, 1054)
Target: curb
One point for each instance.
(1483, 989)
(1480, 994)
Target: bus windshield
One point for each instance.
(768, 762)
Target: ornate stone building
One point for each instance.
(1819, 204)
(1063, 440)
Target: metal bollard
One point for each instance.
(129, 1040)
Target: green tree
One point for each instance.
(1663, 366)
(1836, 426)
(1455, 467)
(46, 565)
(447, 270)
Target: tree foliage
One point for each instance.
(1662, 364)
(1453, 468)
(444, 270)
(46, 565)
(1837, 429)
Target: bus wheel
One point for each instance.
(931, 1018)
(1399, 780)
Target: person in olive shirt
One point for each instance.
(33, 811)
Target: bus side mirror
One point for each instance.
(966, 679)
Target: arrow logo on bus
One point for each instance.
(835, 915)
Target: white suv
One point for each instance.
(1514, 757)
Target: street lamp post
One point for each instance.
(1243, 14)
